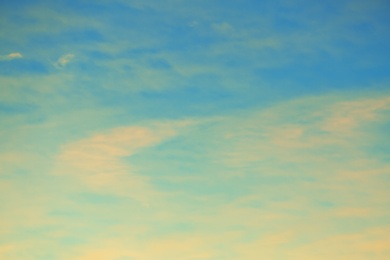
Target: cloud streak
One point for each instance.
(292, 130)
(11, 56)
(64, 60)
(194, 130)
(99, 161)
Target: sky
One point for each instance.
(188, 130)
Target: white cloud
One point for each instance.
(64, 60)
(11, 56)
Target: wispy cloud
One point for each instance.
(99, 161)
(11, 56)
(64, 60)
(345, 117)
(269, 171)
(370, 243)
(281, 219)
(223, 28)
(292, 130)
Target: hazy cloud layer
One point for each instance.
(178, 130)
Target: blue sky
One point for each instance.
(194, 129)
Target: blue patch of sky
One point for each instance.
(81, 36)
(65, 39)
(16, 108)
(326, 204)
(95, 198)
(166, 103)
(173, 226)
(98, 55)
(303, 74)
(19, 67)
(325, 75)
(70, 240)
(8, 6)
(17, 19)
(92, 9)
(27, 232)
(379, 151)
(178, 159)
(159, 64)
(67, 214)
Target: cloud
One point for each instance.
(272, 217)
(173, 246)
(349, 115)
(6, 248)
(9, 160)
(223, 28)
(313, 172)
(370, 243)
(64, 60)
(100, 160)
(304, 129)
(11, 56)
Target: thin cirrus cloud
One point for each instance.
(11, 56)
(194, 130)
(99, 161)
(371, 243)
(334, 182)
(64, 60)
(278, 220)
(312, 123)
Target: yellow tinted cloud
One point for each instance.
(99, 161)
(298, 130)
(11, 56)
(64, 60)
